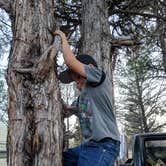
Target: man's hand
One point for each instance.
(69, 57)
(61, 34)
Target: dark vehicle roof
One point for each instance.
(154, 134)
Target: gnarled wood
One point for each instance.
(35, 132)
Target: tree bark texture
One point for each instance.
(96, 37)
(162, 39)
(35, 131)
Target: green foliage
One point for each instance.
(139, 66)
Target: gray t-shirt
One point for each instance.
(95, 111)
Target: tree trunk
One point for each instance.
(162, 39)
(96, 35)
(35, 131)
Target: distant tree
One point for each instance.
(5, 38)
(143, 96)
(3, 98)
(5, 33)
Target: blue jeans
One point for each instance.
(103, 153)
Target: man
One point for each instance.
(100, 133)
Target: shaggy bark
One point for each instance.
(34, 134)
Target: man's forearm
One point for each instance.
(68, 55)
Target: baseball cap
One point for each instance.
(66, 75)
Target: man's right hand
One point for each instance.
(61, 34)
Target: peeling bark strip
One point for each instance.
(35, 131)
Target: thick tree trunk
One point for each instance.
(96, 35)
(34, 135)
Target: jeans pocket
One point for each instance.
(104, 154)
(111, 147)
(107, 158)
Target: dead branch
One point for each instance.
(158, 127)
(125, 42)
(148, 15)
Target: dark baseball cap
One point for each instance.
(66, 76)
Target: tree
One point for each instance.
(5, 37)
(144, 97)
(161, 27)
(35, 132)
(95, 34)
(3, 99)
(134, 19)
(126, 19)
(33, 102)
(5, 33)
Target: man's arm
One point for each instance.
(69, 57)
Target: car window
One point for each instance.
(155, 152)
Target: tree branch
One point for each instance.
(5, 4)
(125, 42)
(138, 13)
(159, 127)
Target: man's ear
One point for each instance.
(91, 65)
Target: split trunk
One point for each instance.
(35, 132)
